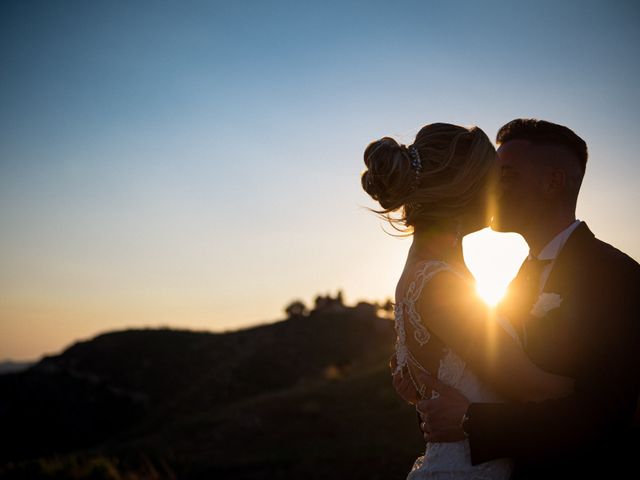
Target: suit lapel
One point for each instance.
(571, 254)
(550, 335)
(517, 310)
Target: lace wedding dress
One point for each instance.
(449, 460)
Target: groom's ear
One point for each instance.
(555, 182)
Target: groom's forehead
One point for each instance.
(514, 148)
(515, 153)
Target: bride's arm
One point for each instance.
(462, 321)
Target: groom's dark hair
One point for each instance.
(541, 132)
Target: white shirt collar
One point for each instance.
(551, 249)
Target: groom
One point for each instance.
(576, 304)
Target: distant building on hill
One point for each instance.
(366, 309)
(335, 304)
(329, 304)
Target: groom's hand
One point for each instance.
(442, 415)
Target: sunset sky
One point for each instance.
(196, 164)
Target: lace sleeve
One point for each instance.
(405, 310)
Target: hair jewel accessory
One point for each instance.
(416, 165)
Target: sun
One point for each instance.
(491, 292)
(494, 259)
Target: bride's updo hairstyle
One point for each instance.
(441, 176)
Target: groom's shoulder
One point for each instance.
(609, 253)
(607, 257)
(595, 263)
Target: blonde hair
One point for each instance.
(455, 165)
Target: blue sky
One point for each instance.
(196, 164)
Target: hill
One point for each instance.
(308, 396)
(9, 366)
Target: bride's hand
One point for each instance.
(402, 382)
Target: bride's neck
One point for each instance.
(437, 245)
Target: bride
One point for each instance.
(442, 187)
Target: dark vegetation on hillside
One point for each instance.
(306, 397)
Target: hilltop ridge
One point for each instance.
(262, 402)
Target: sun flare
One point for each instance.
(491, 293)
(494, 259)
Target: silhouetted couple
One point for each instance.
(546, 386)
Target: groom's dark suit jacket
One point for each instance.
(594, 337)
